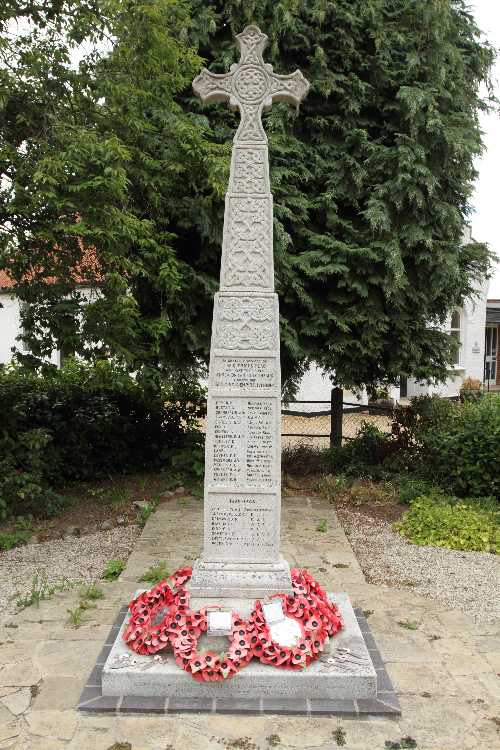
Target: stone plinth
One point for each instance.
(346, 672)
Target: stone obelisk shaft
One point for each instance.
(243, 446)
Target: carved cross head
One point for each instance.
(251, 86)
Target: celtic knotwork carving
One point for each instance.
(251, 86)
(250, 83)
(246, 323)
(248, 254)
(250, 171)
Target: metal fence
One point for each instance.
(337, 421)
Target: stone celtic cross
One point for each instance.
(243, 446)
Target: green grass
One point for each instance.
(322, 526)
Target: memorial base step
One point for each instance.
(345, 673)
(241, 580)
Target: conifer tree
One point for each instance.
(372, 180)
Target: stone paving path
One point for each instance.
(445, 670)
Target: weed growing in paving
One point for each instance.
(405, 743)
(322, 525)
(155, 573)
(92, 593)
(113, 570)
(408, 624)
(40, 590)
(89, 595)
(147, 511)
(75, 616)
(273, 740)
(339, 736)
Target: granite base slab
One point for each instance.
(346, 672)
(383, 703)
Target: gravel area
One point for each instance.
(468, 581)
(61, 561)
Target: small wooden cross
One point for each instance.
(251, 86)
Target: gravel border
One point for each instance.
(467, 581)
(61, 561)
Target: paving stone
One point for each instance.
(18, 702)
(58, 693)
(22, 674)
(468, 665)
(57, 724)
(10, 731)
(419, 678)
(43, 743)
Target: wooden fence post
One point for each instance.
(336, 407)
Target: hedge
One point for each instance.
(84, 422)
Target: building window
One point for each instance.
(455, 332)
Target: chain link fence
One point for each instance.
(331, 422)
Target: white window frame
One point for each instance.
(452, 330)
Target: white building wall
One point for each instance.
(471, 357)
(10, 328)
(317, 386)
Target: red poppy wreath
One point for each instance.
(161, 617)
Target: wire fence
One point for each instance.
(331, 423)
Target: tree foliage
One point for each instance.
(372, 179)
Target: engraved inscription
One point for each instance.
(246, 323)
(242, 526)
(250, 170)
(227, 441)
(260, 433)
(238, 373)
(247, 260)
(243, 446)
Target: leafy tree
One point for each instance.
(103, 171)
(372, 180)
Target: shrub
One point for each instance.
(451, 444)
(84, 422)
(446, 521)
(23, 486)
(471, 390)
(332, 486)
(464, 451)
(410, 487)
(365, 491)
(364, 454)
(304, 459)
